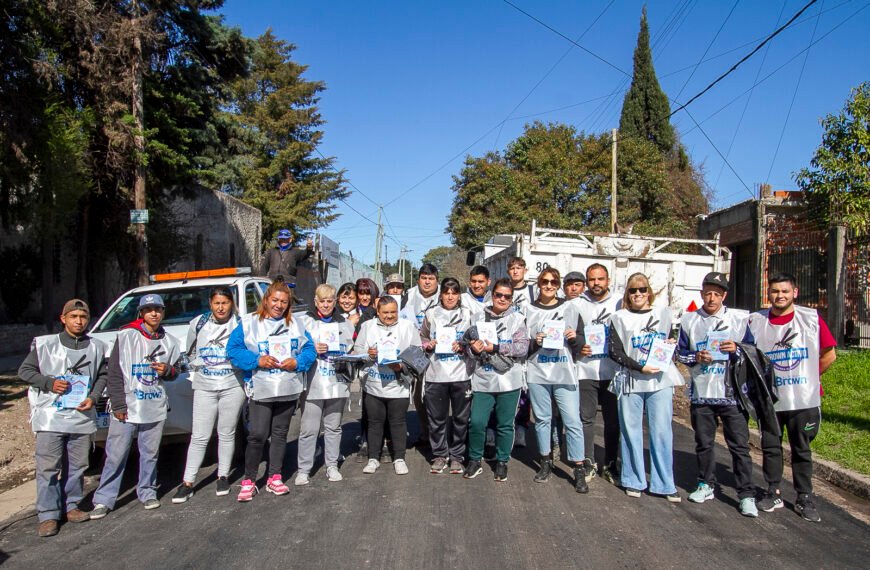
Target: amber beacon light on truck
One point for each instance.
(186, 275)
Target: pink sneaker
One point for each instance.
(275, 485)
(249, 489)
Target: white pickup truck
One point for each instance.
(186, 296)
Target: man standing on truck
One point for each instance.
(67, 374)
(595, 371)
(801, 347)
(283, 258)
(524, 293)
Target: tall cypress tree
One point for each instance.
(645, 108)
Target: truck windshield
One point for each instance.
(182, 305)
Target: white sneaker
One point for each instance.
(371, 466)
(400, 466)
(301, 479)
(333, 474)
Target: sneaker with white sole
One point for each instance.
(769, 501)
(301, 480)
(248, 490)
(333, 475)
(184, 493)
(805, 507)
(400, 467)
(748, 508)
(633, 493)
(703, 492)
(276, 485)
(222, 487)
(99, 511)
(371, 466)
(151, 504)
(591, 469)
(438, 465)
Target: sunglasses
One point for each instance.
(507, 296)
(634, 290)
(553, 282)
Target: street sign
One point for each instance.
(138, 216)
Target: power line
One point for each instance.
(706, 51)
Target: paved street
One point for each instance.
(443, 521)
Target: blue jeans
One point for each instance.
(567, 398)
(659, 411)
(118, 449)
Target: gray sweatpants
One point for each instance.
(118, 449)
(208, 405)
(52, 472)
(330, 412)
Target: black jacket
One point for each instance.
(751, 375)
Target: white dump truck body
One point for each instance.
(675, 277)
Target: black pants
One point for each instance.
(267, 419)
(420, 407)
(705, 420)
(440, 398)
(380, 412)
(592, 393)
(802, 427)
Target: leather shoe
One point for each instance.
(47, 528)
(77, 516)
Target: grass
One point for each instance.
(844, 436)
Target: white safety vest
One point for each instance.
(637, 331)
(210, 366)
(273, 382)
(523, 297)
(474, 306)
(417, 305)
(57, 361)
(485, 378)
(598, 367)
(144, 392)
(381, 380)
(709, 381)
(793, 349)
(448, 367)
(551, 365)
(323, 383)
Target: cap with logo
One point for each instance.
(716, 278)
(151, 300)
(284, 234)
(575, 276)
(394, 278)
(75, 305)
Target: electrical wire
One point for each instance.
(706, 51)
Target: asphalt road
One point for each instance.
(444, 521)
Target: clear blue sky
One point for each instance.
(413, 87)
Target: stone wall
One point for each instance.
(16, 339)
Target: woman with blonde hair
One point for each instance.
(275, 351)
(644, 388)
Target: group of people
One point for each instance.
(477, 364)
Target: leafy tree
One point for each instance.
(450, 261)
(838, 179)
(645, 109)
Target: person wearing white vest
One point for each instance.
(386, 380)
(144, 356)
(708, 337)
(275, 350)
(218, 393)
(551, 375)
(801, 348)
(67, 374)
(644, 388)
(596, 305)
(477, 296)
(447, 384)
(523, 295)
(496, 389)
(327, 390)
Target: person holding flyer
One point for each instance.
(218, 392)
(67, 374)
(552, 374)
(708, 337)
(327, 391)
(386, 380)
(275, 351)
(144, 356)
(640, 343)
(447, 378)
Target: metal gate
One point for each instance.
(857, 310)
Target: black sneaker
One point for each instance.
(473, 469)
(223, 487)
(183, 494)
(591, 470)
(500, 473)
(580, 484)
(543, 473)
(805, 507)
(769, 501)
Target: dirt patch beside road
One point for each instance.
(17, 441)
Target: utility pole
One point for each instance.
(140, 236)
(613, 183)
(379, 241)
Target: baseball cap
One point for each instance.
(151, 300)
(394, 278)
(75, 305)
(715, 278)
(575, 276)
(284, 234)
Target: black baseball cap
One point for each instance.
(717, 279)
